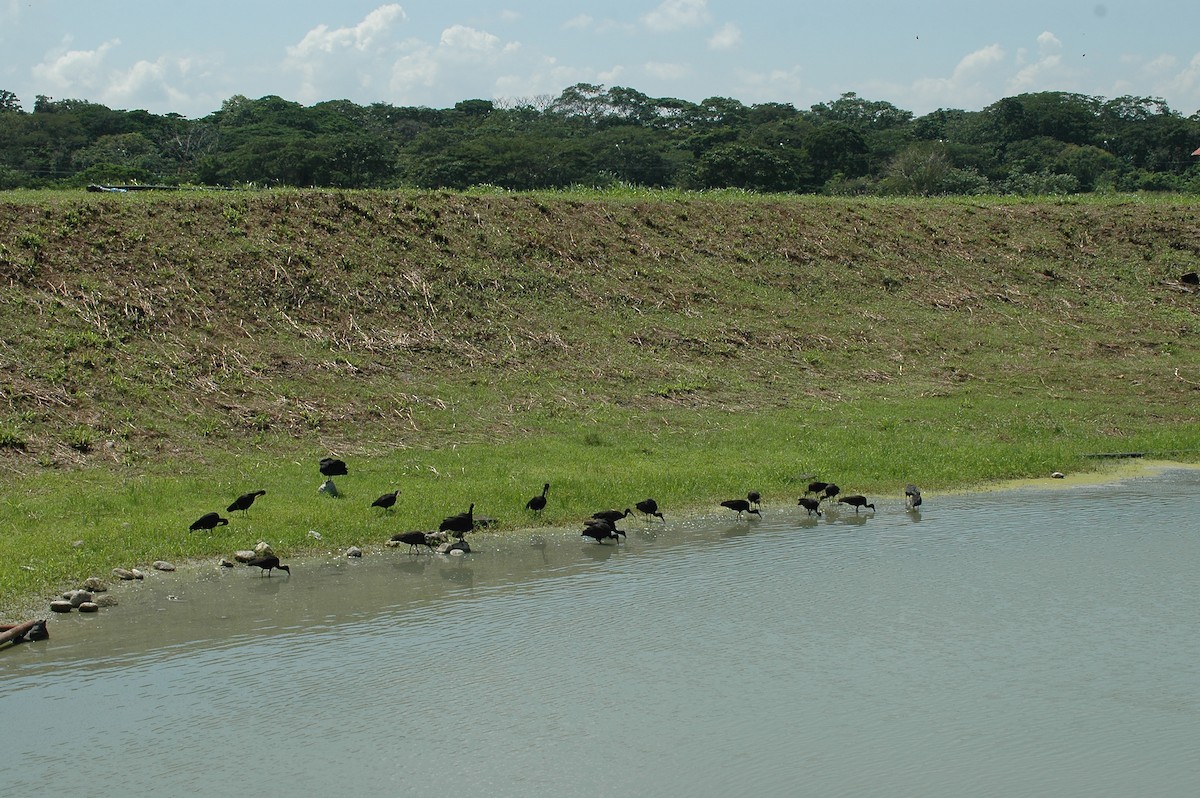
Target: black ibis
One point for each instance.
(831, 490)
(538, 503)
(209, 521)
(815, 487)
(386, 501)
(812, 505)
(912, 497)
(268, 563)
(612, 516)
(459, 525)
(649, 507)
(244, 501)
(856, 502)
(601, 530)
(332, 467)
(413, 539)
(740, 506)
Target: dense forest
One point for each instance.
(1040, 143)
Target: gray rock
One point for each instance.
(243, 555)
(123, 573)
(458, 547)
(137, 574)
(61, 605)
(105, 600)
(224, 563)
(354, 551)
(77, 597)
(95, 584)
(263, 549)
(89, 606)
(163, 565)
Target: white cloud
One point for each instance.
(726, 38)
(674, 15)
(75, 70)
(1049, 43)
(776, 85)
(1183, 85)
(979, 60)
(663, 71)
(460, 56)
(362, 37)
(970, 84)
(463, 39)
(579, 22)
(418, 68)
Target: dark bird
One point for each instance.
(856, 502)
(538, 503)
(912, 497)
(815, 487)
(268, 562)
(831, 490)
(332, 467)
(649, 507)
(459, 525)
(386, 501)
(755, 498)
(209, 521)
(413, 539)
(812, 505)
(740, 506)
(244, 501)
(601, 530)
(612, 516)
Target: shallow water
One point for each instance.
(1034, 642)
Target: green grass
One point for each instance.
(163, 353)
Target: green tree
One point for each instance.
(744, 166)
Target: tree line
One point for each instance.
(589, 135)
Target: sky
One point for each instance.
(167, 56)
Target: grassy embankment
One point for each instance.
(163, 353)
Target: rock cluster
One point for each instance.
(89, 598)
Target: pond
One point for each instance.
(1035, 641)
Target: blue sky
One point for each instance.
(188, 57)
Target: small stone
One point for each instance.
(1058, 475)
(243, 555)
(123, 573)
(95, 584)
(105, 600)
(77, 597)
(263, 549)
(137, 574)
(61, 605)
(224, 563)
(163, 565)
(79, 544)
(354, 551)
(89, 606)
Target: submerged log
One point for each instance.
(34, 630)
